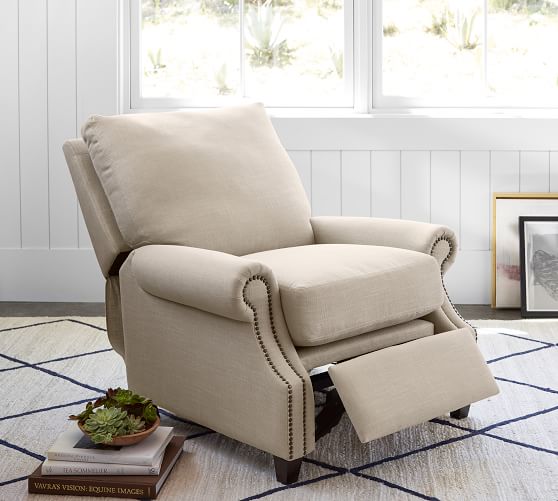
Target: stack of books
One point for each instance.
(78, 467)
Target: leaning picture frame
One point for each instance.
(538, 240)
(506, 266)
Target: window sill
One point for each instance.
(474, 129)
(380, 113)
(442, 113)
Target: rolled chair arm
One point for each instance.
(207, 280)
(433, 239)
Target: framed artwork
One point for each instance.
(538, 240)
(506, 265)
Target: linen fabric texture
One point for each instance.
(405, 385)
(100, 221)
(331, 292)
(432, 239)
(328, 292)
(207, 280)
(219, 372)
(317, 356)
(217, 179)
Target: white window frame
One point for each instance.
(134, 102)
(383, 103)
(362, 68)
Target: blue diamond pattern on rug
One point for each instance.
(506, 450)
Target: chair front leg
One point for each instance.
(287, 471)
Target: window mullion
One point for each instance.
(375, 56)
(348, 49)
(362, 57)
(135, 49)
(485, 47)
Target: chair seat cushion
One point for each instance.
(332, 292)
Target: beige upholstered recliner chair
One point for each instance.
(223, 295)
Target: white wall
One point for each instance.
(61, 64)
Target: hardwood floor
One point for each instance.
(485, 312)
(18, 309)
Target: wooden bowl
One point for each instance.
(124, 440)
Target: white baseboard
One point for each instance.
(67, 275)
(73, 275)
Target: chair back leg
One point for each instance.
(460, 413)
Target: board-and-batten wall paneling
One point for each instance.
(355, 183)
(534, 171)
(445, 185)
(10, 218)
(415, 185)
(33, 124)
(475, 200)
(62, 121)
(553, 171)
(385, 179)
(326, 183)
(60, 64)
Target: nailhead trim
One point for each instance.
(272, 365)
(446, 239)
(449, 242)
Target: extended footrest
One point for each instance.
(394, 388)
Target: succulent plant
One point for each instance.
(119, 412)
(105, 424)
(134, 425)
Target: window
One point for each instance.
(283, 52)
(467, 53)
(356, 54)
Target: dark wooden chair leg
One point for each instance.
(287, 471)
(460, 413)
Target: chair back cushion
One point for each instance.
(217, 179)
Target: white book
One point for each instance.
(73, 445)
(50, 467)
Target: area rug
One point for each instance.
(506, 450)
